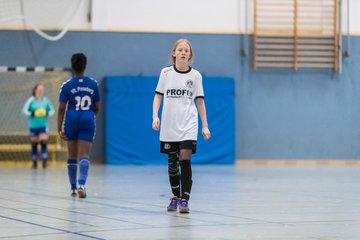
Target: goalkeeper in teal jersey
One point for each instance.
(37, 109)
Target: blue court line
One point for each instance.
(43, 215)
(72, 211)
(52, 228)
(91, 202)
(180, 216)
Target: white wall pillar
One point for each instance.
(100, 16)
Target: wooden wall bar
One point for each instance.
(296, 33)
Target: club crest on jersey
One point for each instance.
(189, 83)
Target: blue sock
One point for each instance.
(72, 171)
(34, 151)
(83, 170)
(44, 151)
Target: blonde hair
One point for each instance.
(176, 44)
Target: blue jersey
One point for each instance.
(80, 93)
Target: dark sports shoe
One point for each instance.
(173, 204)
(184, 206)
(34, 164)
(81, 192)
(73, 193)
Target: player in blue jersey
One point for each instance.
(37, 109)
(79, 103)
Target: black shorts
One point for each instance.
(166, 147)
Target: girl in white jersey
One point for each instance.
(180, 85)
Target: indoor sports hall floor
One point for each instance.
(228, 202)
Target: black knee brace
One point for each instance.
(173, 164)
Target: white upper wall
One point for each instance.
(198, 16)
(354, 20)
(168, 15)
(44, 14)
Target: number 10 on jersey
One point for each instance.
(82, 103)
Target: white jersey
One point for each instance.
(179, 119)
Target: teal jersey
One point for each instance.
(31, 105)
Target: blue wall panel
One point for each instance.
(130, 138)
(304, 115)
